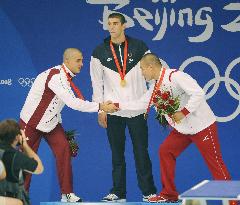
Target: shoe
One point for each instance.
(160, 199)
(70, 198)
(112, 198)
(145, 198)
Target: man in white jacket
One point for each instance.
(116, 76)
(41, 115)
(193, 122)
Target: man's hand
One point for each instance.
(178, 116)
(102, 119)
(108, 107)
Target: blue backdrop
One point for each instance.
(199, 37)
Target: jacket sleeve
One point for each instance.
(22, 161)
(96, 73)
(61, 87)
(191, 88)
(141, 103)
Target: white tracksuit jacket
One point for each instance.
(47, 97)
(192, 98)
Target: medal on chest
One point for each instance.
(123, 82)
(121, 71)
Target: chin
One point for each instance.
(113, 35)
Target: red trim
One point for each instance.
(171, 74)
(122, 72)
(116, 104)
(47, 97)
(74, 87)
(185, 111)
(156, 87)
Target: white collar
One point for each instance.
(69, 71)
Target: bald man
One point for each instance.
(194, 122)
(41, 115)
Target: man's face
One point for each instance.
(115, 27)
(75, 62)
(147, 71)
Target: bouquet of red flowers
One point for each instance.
(70, 135)
(165, 104)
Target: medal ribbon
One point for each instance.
(156, 87)
(122, 71)
(75, 88)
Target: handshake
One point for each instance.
(109, 106)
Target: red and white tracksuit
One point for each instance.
(198, 126)
(41, 116)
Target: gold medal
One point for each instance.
(121, 71)
(123, 82)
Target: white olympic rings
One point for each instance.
(216, 82)
(26, 82)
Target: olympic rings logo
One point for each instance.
(26, 82)
(216, 82)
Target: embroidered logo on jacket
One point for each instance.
(206, 138)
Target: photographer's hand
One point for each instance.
(30, 153)
(23, 139)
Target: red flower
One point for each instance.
(70, 135)
(166, 104)
(162, 106)
(155, 100)
(165, 95)
(171, 101)
(158, 93)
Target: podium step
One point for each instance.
(104, 203)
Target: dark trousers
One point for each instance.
(138, 131)
(59, 145)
